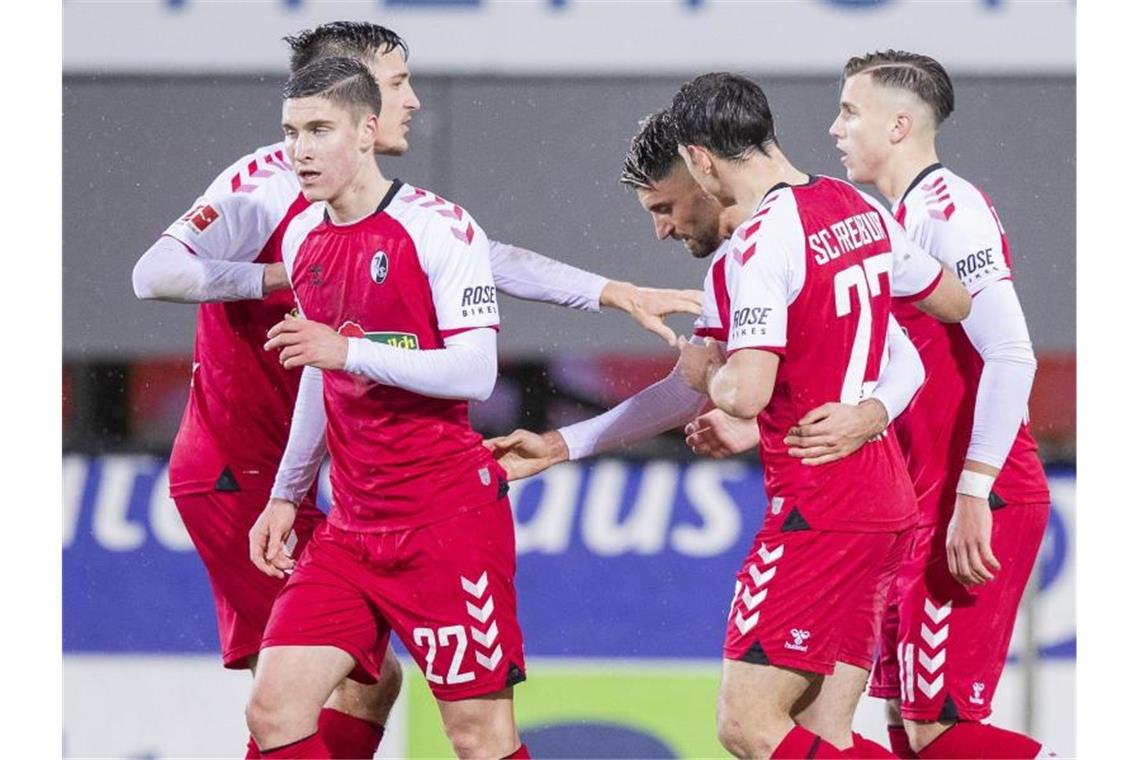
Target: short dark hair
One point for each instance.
(652, 151)
(344, 81)
(726, 113)
(919, 74)
(342, 39)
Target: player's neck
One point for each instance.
(904, 166)
(361, 197)
(750, 180)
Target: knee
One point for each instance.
(391, 681)
(263, 714)
(471, 739)
(744, 738)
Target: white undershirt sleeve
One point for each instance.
(996, 326)
(305, 451)
(465, 369)
(527, 275)
(168, 271)
(666, 404)
(903, 374)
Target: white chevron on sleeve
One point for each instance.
(746, 624)
(751, 601)
(769, 557)
(760, 578)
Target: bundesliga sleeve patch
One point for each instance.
(200, 217)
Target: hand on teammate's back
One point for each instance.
(649, 306)
(833, 430)
(268, 537)
(968, 552)
(523, 453)
(718, 434)
(302, 342)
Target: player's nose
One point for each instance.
(413, 101)
(833, 130)
(663, 228)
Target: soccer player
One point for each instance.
(398, 334)
(858, 512)
(983, 495)
(225, 254)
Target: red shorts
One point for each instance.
(218, 523)
(943, 645)
(446, 589)
(807, 599)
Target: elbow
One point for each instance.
(144, 288)
(482, 391)
(744, 406)
(484, 380)
(960, 308)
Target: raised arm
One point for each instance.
(169, 271)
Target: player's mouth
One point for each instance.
(308, 176)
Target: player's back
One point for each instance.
(399, 276)
(957, 223)
(237, 418)
(837, 277)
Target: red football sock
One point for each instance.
(309, 748)
(519, 754)
(801, 743)
(347, 736)
(980, 742)
(900, 744)
(251, 750)
(864, 747)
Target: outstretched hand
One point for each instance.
(523, 453)
(649, 306)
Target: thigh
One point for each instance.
(794, 592)
(953, 640)
(752, 694)
(862, 628)
(303, 676)
(885, 671)
(325, 603)
(830, 713)
(451, 599)
(218, 525)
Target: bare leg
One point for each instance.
(481, 726)
(755, 704)
(830, 714)
(289, 688)
(372, 702)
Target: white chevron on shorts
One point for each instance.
(934, 639)
(490, 662)
(768, 557)
(485, 640)
(750, 600)
(746, 624)
(481, 613)
(475, 589)
(929, 688)
(937, 614)
(931, 664)
(760, 578)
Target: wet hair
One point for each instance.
(652, 152)
(919, 74)
(342, 39)
(726, 113)
(344, 81)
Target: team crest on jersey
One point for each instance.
(379, 267)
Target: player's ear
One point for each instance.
(369, 131)
(901, 126)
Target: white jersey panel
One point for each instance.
(241, 208)
(914, 270)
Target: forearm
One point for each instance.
(465, 369)
(998, 331)
(306, 448)
(666, 404)
(170, 272)
(527, 275)
(903, 375)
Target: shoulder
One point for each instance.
(261, 178)
(433, 218)
(299, 228)
(945, 202)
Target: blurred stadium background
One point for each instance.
(625, 563)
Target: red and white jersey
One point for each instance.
(236, 421)
(810, 277)
(410, 274)
(957, 224)
(714, 319)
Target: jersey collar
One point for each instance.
(921, 176)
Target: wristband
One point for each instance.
(975, 484)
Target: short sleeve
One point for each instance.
(235, 217)
(714, 303)
(458, 264)
(760, 287)
(914, 272)
(970, 244)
